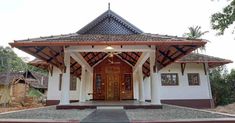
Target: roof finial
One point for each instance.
(108, 6)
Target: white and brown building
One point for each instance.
(111, 59)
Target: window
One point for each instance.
(98, 82)
(169, 79)
(60, 81)
(193, 79)
(73, 83)
(127, 81)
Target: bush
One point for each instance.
(222, 86)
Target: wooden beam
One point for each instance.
(126, 48)
(130, 62)
(94, 57)
(124, 60)
(144, 56)
(129, 56)
(183, 65)
(179, 49)
(36, 55)
(165, 55)
(39, 49)
(100, 60)
(80, 59)
(94, 43)
(205, 69)
(76, 69)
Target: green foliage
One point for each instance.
(222, 20)
(9, 61)
(37, 70)
(195, 33)
(34, 93)
(222, 85)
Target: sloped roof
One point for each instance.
(7, 78)
(74, 37)
(109, 23)
(107, 29)
(34, 79)
(202, 58)
(39, 63)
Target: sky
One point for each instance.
(23, 19)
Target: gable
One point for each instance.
(113, 61)
(109, 23)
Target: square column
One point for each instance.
(82, 97)
(141, 84)
(64, 99)
(155, 81)
(135, 86)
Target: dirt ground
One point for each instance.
(230, 108)
(18, 107)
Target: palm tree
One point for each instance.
(195, 33)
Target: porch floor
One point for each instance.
(127, 104)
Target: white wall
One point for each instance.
(53, 87)
(183, 90)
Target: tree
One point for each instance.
(222, 86)
(222, 20)
(10, 62)
(195, 32)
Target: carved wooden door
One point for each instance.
(112, 81)
(113, 86)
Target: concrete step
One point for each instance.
(109, 107)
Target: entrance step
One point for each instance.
(109, 107)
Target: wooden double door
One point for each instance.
(112, 81)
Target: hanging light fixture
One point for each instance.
(109, 48)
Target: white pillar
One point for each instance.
(87, 84)
(65, 86)
(135, 86)
(91, 85)
(155, 99)
(82, 85)
(78, 88)
(141, 84)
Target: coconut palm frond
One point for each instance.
(195, 32)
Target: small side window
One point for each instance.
(169, 79)
(193, 79)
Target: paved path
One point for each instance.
(107, 116)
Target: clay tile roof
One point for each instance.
(34, 80)
(7, 78)
(74, 37)
(201, 58)
(39, 63)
